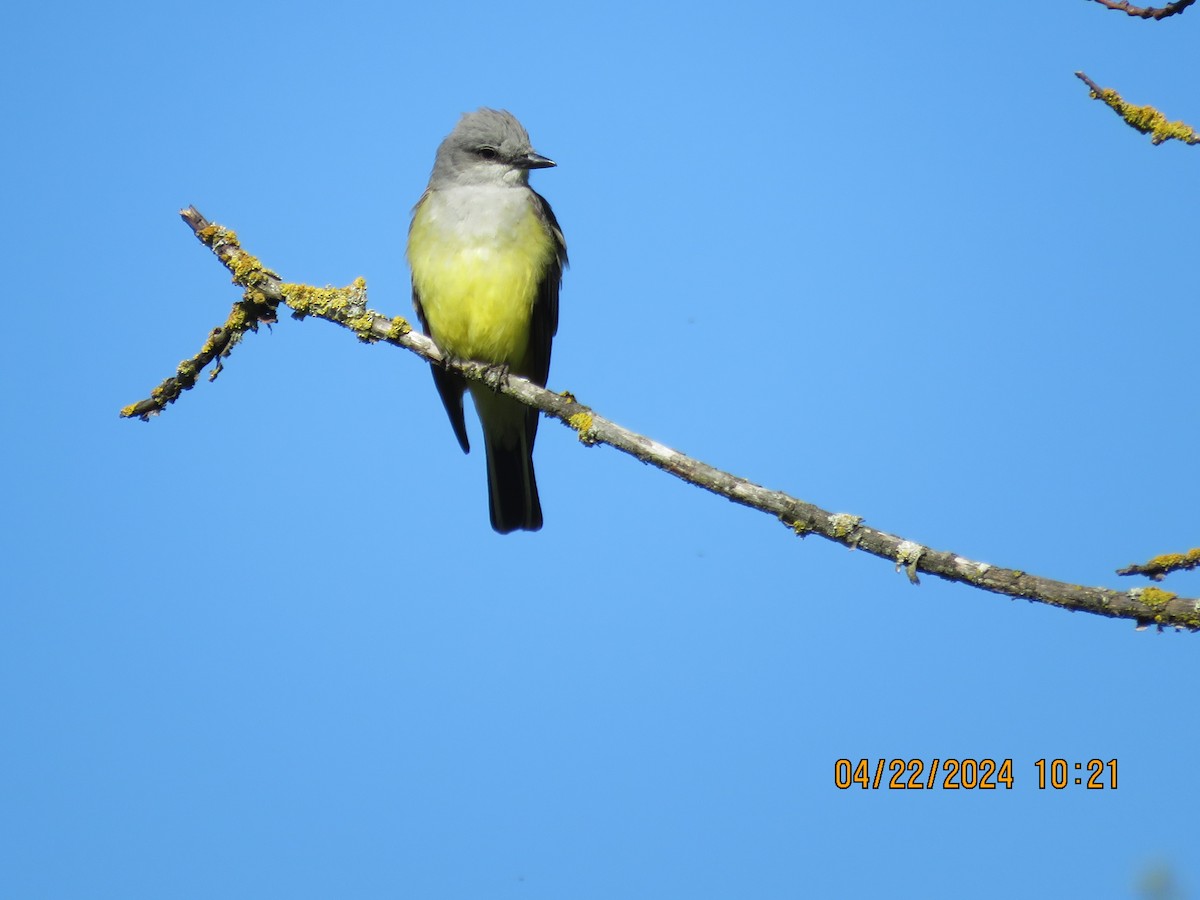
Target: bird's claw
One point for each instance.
(496, 376)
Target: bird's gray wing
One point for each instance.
(544, 324)
(450, 387)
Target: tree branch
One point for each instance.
(264, 291)
(1145, 119)
(1160, 566)
(1147, 12)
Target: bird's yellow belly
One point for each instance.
(478, 290)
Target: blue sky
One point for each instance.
(888, 258)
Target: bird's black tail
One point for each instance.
(512, 488)
(509, 429)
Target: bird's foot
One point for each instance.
(496, 376)
(449, 359)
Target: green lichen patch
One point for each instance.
(801, 529)
(908, 556)
(844, 524)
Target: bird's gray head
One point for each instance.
(487, 146)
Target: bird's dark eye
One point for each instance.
(487, 152)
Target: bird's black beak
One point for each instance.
(533, 160)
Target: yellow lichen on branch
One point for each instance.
(1161, 566)
(1145, 119)
(582, 423)
(262, 292)
(346, 305)
(245, 315)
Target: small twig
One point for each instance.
(1147, 12)
(347, 307)
(1145, 119)
(255, 307)
(1160, 566)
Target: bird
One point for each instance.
(487, 257)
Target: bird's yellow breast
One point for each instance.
(477, 257)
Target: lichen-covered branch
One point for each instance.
(262, 292)
(1145, 119)
(347, 307)
(247, 314)
(1147, 12)
(1160, 566)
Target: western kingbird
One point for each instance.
(487, 258)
